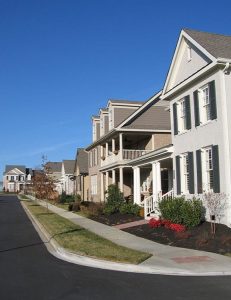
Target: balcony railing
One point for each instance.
(127, 154)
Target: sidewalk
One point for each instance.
(165, 260)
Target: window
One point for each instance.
(185, 169)
(207, 169)
(12, 178)
(182, 115)
(94, 185)
(110, 119)
(182, 108)
(205, 103)
(189, 53)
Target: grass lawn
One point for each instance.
(82, 241)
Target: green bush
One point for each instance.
(109, 209)
(181, 211)
(64, 198)
(129, 208)
(192, 212)
(171, 209)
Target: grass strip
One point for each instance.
(81, 241)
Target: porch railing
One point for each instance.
(151, 205)
(132, 154)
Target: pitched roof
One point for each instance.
(216, 44)
(54, 166)
(82, 160)
(11, 167)
(69, 166)
(154, 118)
(125, 101)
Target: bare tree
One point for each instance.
(43, 182)
(215, 204)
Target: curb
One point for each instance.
(54, 248)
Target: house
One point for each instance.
(81, 174)
(54, 169)
(198, 88)
(67, 176)
(16, 178)
(125, 132)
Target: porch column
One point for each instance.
(121, 180)
(106, 154)
(113, 145)
(121, 145)
(156, 180)
(113, 176)
(136, 185)
(107, 180)
(102, 187)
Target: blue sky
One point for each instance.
(61, 60)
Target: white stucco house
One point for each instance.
(198, 88)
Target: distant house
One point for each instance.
(54, 169)
(81, 174)
(67, 176)
(16, 178)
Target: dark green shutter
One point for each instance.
(212, 96)
(199, 172)
(216, 171)
(178, 178)
(196, 108)
(191, 173)
(175, 123)
(188, 112)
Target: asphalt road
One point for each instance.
(29, 271)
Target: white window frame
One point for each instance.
(204, 104)
(181, 115)
(94, 185)
(185, 173)
(207, 169)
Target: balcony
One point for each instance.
(127, 154)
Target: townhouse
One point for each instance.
(81, 174)
(198, 88)
(16, 178)
(176, 143)
(123, 133)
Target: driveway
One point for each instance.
(29, 271)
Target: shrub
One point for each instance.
(181, 211)
(64, 198)
(70, 206)
(76, 206)
(171, 209)
(109, 209)
(92, 209)
(177, 227)
(129, 208)
(192, 212)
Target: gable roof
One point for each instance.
(129, 102)
(54, 166)
(69, 166)
(8, 168)
(82, 160)
(217, 45)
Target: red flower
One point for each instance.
(166, 223)
(154, 223)
(177, 227)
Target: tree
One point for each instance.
(215, 204)
(43, 182)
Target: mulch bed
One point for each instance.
(199, 238)
(116, 219)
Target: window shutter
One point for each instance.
(188, 113)
(216, 172)
(196, 108)
(199, 172)
(212, 95)
(178, 178)
(191, 172)
(175, 119)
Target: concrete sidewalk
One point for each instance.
(165, 260)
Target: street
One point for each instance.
(29, 271)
